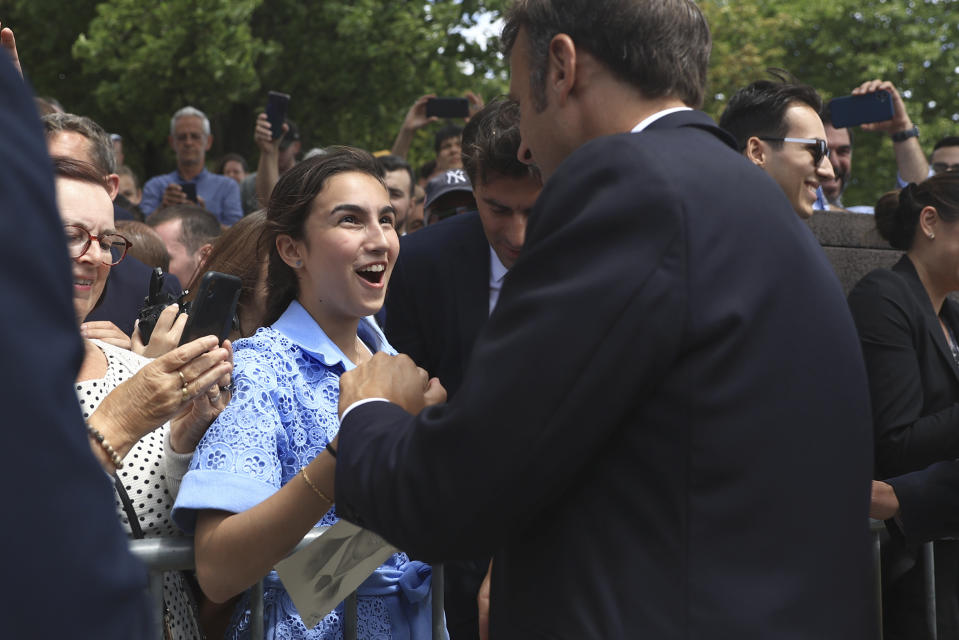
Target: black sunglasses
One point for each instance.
(817, 146)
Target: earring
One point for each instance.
(931, 236)
(299, 263)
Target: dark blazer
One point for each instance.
(438, 298)
(127, 286)
(913, 378)
(664, 428)
(914, 384)
(67, 566)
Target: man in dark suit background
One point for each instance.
(446, 283)
(664, 428)
(448, 277)
(68, 566)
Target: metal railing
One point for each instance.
(176, 554)
(877, 527)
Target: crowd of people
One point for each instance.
(590, 357)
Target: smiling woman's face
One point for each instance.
(89, 206)
(349, 247)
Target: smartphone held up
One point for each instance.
(851, 111)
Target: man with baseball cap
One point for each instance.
(448, 194)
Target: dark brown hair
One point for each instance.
(660, 47)
(71, 169)
(198, 226)
(290, 205)
(490, 142)
(897, 212)
(238, 252)
(147, 247)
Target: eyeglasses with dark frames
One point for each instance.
(818, 147)
(944, 167)
(113, 246)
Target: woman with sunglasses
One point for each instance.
(908, 327)
(144, 417)
(256, 484)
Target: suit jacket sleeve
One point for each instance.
(455, 479)
(929, 502)
(890, 325)
(59, 518)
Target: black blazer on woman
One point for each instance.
(913, 377)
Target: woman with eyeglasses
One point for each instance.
(908, 327)
(144, 418)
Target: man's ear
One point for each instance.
(756, 151)
(204, 251)
(113, 185)
(289, 250)
(561, 66)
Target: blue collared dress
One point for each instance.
(283, 413)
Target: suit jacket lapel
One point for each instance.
(907, 270)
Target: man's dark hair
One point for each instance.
(426, 169)
(231, 157)
(948, 141)
(198, 228)
(446, 132)
(101, 148)
(390, 162)
(661, 47)
(760, 108)
(490, 142)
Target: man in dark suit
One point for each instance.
(447, 281)
(68, 567)
(664, 428)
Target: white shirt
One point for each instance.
(656, 116)
(496, 274)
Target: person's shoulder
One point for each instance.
(124, 358)
(160, 179)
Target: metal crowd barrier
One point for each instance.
(176, 554)
(877, 527)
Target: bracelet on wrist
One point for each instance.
(109, 450)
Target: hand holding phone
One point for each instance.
(854, 110)
(214, 307)
(189, 190)
(277, 105)
(448, 108)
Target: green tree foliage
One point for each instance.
(835, 45)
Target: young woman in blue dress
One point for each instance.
(250, 494)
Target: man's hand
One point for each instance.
(172, 195)
(416, 117)
(900, 118)
(396, 378)
(9, 44)
(884, 504)
(263, 135)
(475, 104)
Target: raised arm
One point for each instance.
(415, 119)
(268, 168)
(910, 160)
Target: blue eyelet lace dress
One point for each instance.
(283, 413)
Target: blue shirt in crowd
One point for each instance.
(221, 194)
(282, 415)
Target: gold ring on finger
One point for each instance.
(186, 394)
(182, 379)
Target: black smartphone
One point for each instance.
(189, 190)
(850, 111)
(213, 308)
(276, 107)
(448, 108)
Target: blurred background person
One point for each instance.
(233, 165)
(147, 246)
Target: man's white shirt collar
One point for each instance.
(656, 116)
